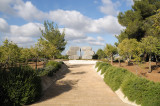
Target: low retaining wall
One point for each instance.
(118, 92)
(82, 62)
(46, 81)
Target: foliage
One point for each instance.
(25, 54)
(114, 77)
(50, 68)
(138, 89)
(52, 41)
(149, 44)
(130, 47)
(97, 64)
(136, 19)
(100, 54)
(21, 85)
(142, 91)
(10, 53)
(105, 68)
(110, 50)
(100, 66)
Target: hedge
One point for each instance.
(138, 89)
(19, 86)
(50, 68)
(100, 65)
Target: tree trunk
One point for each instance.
(36, 63)
(156, 61)
(26, 62)
(144, 57)
(119, 62)
(150, 70)
(111, 59)
(128, 61)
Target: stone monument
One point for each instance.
(72, 52)
(88, 53)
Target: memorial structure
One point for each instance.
(73, 50)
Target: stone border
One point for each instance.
(118, 92)
(46, 81)
(82, 62)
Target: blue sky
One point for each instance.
(87, 22)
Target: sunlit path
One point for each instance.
(81, 86)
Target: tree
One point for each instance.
(135, 20)
(36, 52)
(100, 54)
(127, 48)
(150, 44)
(10, 53)
(26, 54)
(52, 39)
(110, 50)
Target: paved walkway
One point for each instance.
(80, 86)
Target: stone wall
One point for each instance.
(72, 52)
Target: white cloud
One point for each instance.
(100, 38)
(97, 43)
(109, 8)
(20, 40)
(71, 19)
(29, 12)
(108, 24)
(77, 26)
(24, 35)
(89, 40)
(29, 29)
(4, 27)
(72, 34)
(5, 6)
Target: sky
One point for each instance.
(87, 22)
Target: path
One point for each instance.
(81, 86)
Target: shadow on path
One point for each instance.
(58, 87)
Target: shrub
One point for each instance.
(50, 68)
(21, 86)
(97, 64)
(138, 89)
(144, 92)
(104, 69)
(101, 66)
(55, 64)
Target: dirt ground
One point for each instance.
(142, 70)
(33, 64)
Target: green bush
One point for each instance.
(50, 68)
(143, 91)
(56, 65)
(104, 68)
(97, 64)
(101, 66)
(21, 86)
(138, 89)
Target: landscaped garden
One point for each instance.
(135, 88)
(20, 81)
